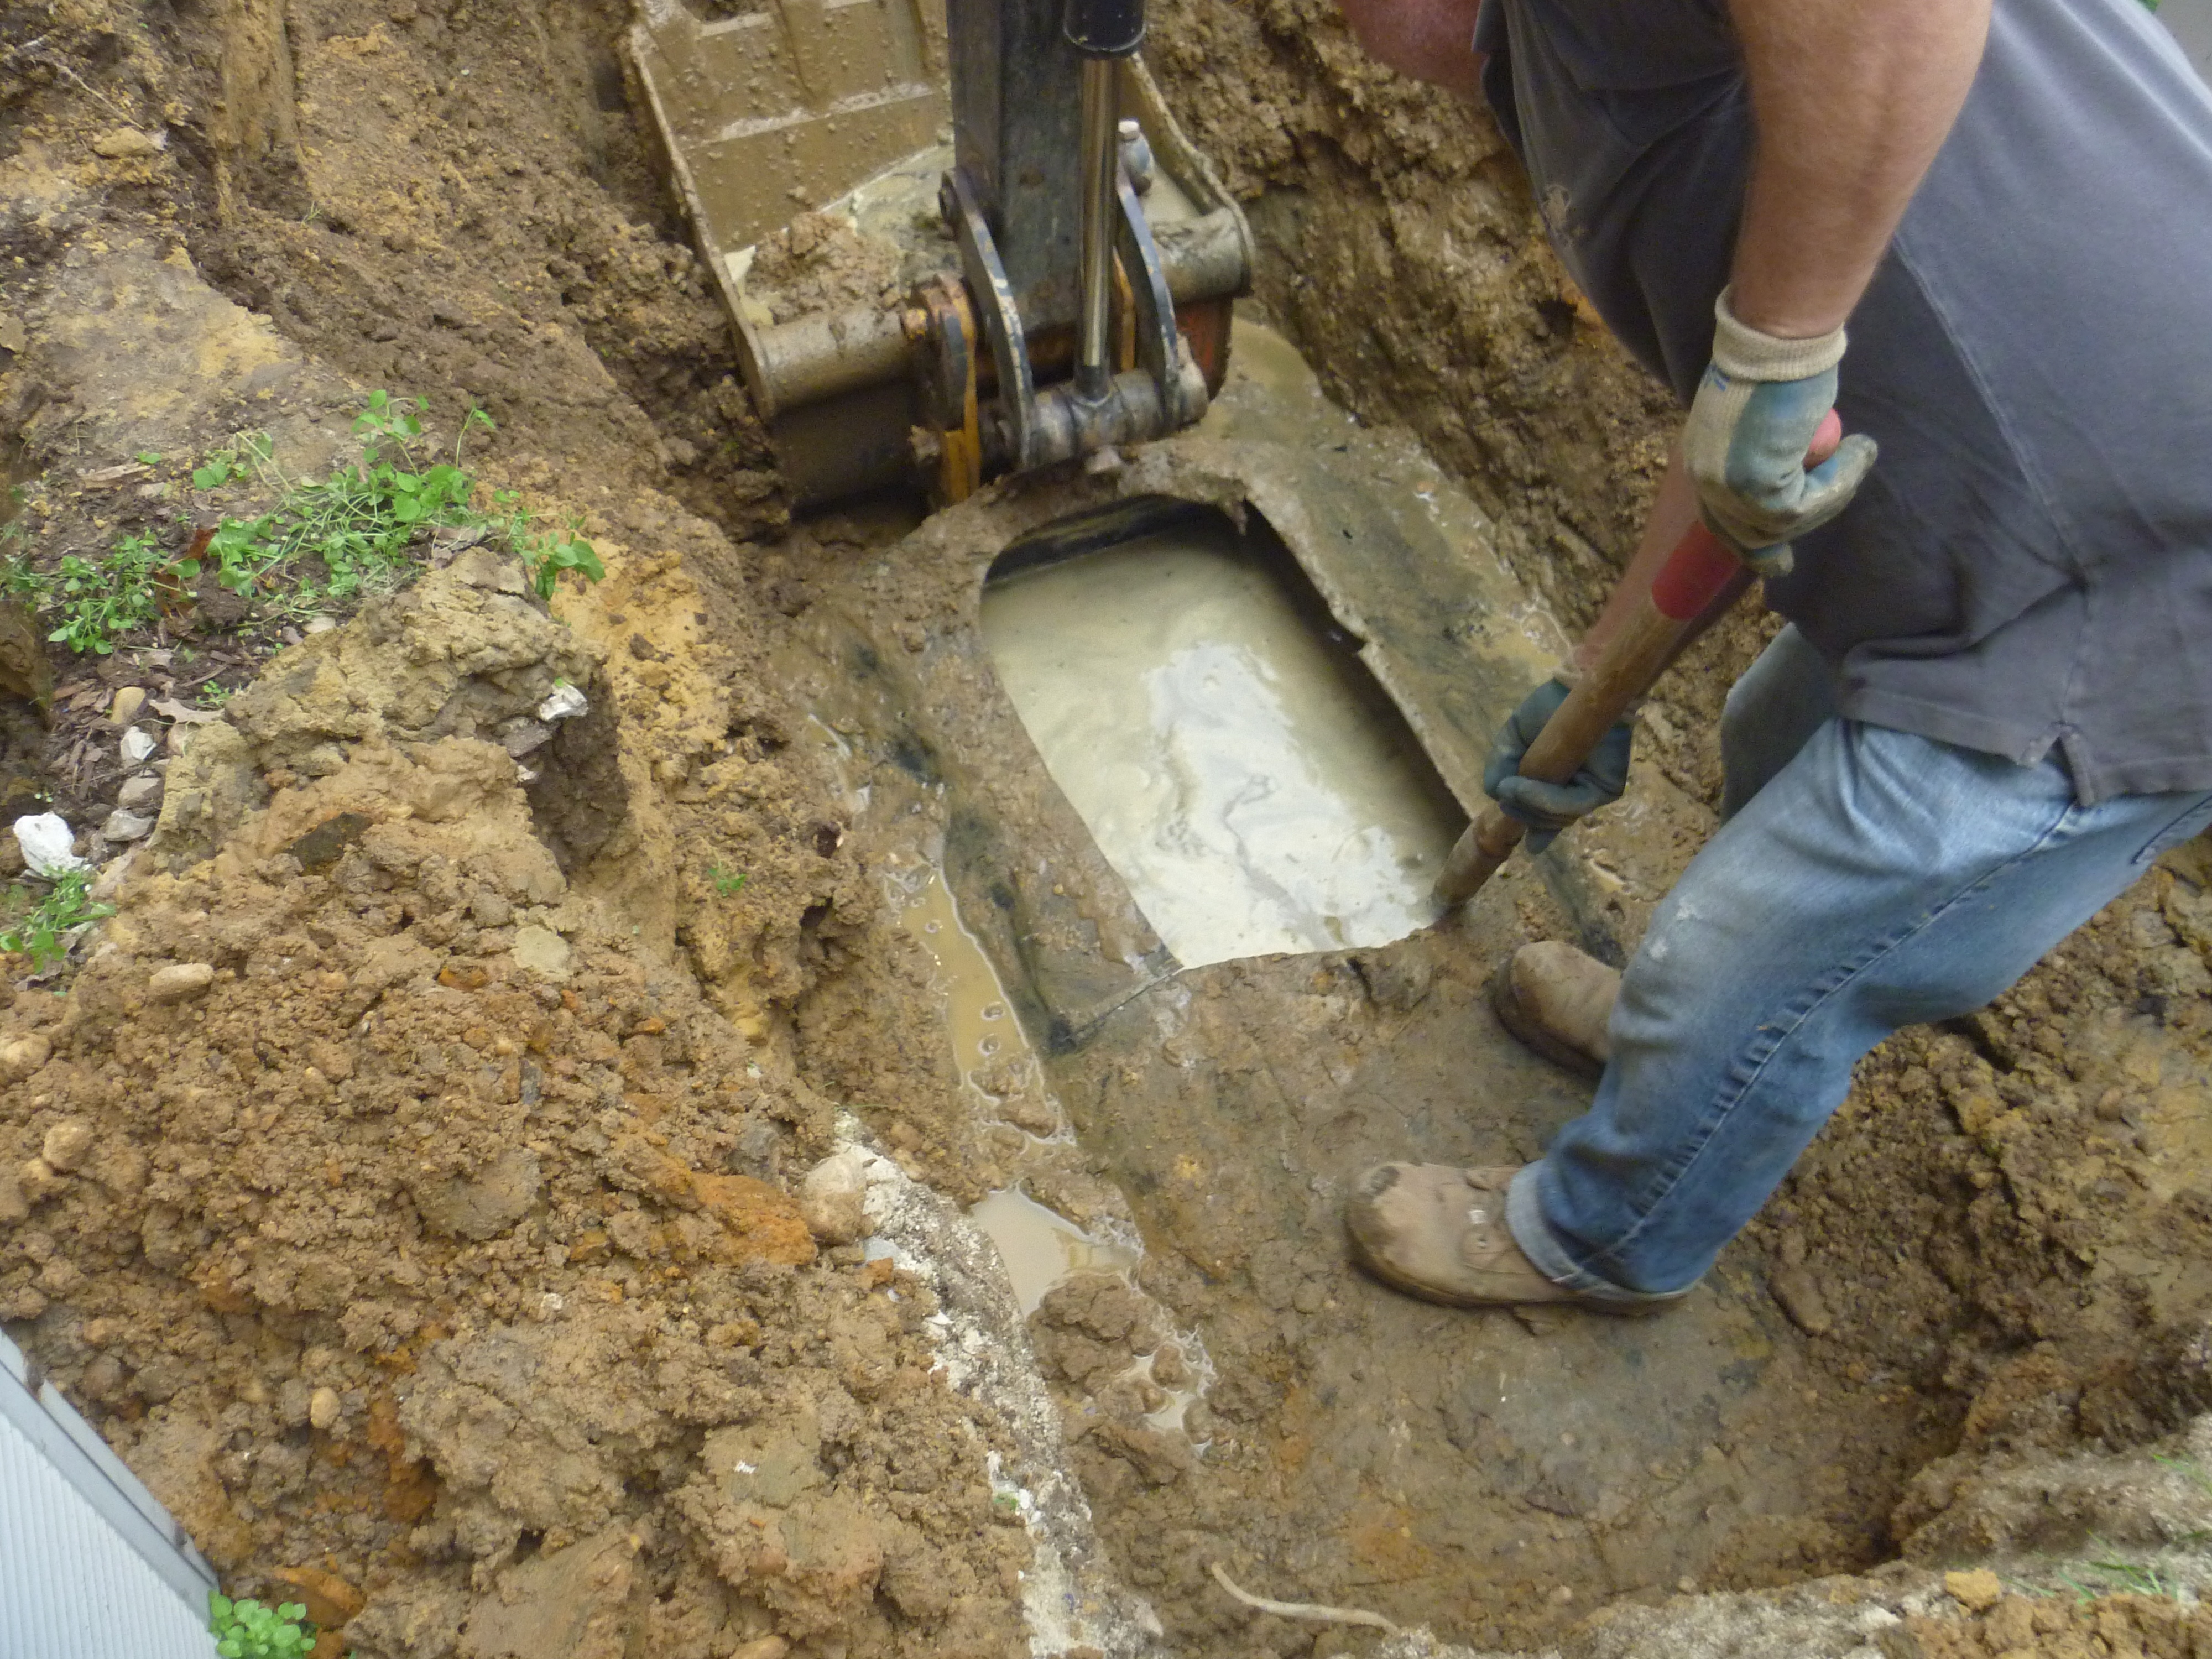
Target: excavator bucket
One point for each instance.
(932, 359)
(770, 107)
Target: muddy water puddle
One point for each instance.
(1223, 743)
(1040, 1248)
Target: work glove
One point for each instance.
(1548, 808)
(1758, 408)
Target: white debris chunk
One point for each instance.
(48, 844)
(566, 703)
(137, 747)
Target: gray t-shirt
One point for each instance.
(2030, 563)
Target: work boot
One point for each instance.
(1433, 1230)
(1557, 1001)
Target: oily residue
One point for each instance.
(1230, 754)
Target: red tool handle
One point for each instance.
(1696, 573)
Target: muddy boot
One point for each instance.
(1438, 1232)
(1433, 1230)
(1557, 1001)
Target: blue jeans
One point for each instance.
(1864, 879)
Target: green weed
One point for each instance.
(2109, 1575)
(545, 553)
(359, 523)
(727, 883)
(248, 1630)
(334, 539)
(49, 927)
(96, 601)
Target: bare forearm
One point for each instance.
(1431, 40)
(1850, 104)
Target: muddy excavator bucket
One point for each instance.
(770, 107)
(918, 326)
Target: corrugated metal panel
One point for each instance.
(91, 1567)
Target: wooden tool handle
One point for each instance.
(1696, 573)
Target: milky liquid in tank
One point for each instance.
(1242, 772)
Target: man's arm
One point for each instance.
(1850, 104)
(1429, 40)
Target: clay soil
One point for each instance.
(405, 1182)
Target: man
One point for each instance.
(1994, 706)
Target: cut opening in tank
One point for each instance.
(1215, 728)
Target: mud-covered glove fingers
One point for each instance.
(1756, 415)
(1547, 808)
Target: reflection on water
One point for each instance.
(1040, 1248)
(1241, 771)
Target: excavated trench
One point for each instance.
(1136, 747)
(1139, 1034)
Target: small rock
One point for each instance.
(320, 624)
(137, 745)
(323, 1408)
(128, 701)
(127, 143)
(139, 792)
(24, 1055)
(1799, 1294)
(1975, 1592)
(179, 980)
(124, 825)
(542, 950)
(102, 1379)
(49, 844)
(488, 1202)
(67, 1142)
(114, 874)
(480, 567)
(832, 1199)
(14, 1206)
(37, 1180)
(520, 736)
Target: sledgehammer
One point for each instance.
(1695, 574)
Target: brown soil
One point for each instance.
(407, 1185)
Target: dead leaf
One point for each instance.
(170, 709)
(102, 477)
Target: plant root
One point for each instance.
(1313, 1612)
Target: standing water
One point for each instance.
(1232, 756)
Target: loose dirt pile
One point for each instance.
(411, 1186)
